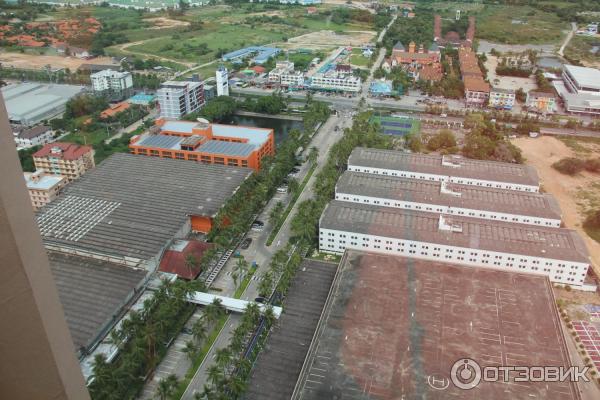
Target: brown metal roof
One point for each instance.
(429, 192)
(432, 164)
(505, 237)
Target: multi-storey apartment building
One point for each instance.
(449, 198)
(336, 81)
(477, 90)
(43, 187)
(36, 136)
(452, 169)
(207, 143)
(222, 79)
(557, 253)
(118, 83)
(502, 98)
(178, 98)
(66, 159)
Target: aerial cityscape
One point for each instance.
(300, 199)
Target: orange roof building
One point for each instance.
(66, 159)
(477, 90)
(231, 145)
(115, 109)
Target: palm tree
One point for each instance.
(223, 358)
(192, 263)
(190, 350)
(199, 331)
(313, 154)
(240, 269)
(269, 315)
(215, 375)
(265, 286)
(166, 386)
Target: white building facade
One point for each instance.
(222, 77)
(336, 82)
(443, 169)
(109, 80)
(36, 136)
(566, 267)
(178, 98)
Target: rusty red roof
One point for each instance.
(174, 260)
(70, 151)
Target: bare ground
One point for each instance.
(541, 153)
(166, 23)
(507, 82)
(34, 61)
(330, 38)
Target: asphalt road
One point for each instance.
(259, 252)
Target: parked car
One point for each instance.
(295, 170)
(282, 189)
(245, 243)
(257, 226)
(260, 299)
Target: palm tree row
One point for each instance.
(227, 377)
(142, 341)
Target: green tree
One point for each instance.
(190, 350)
(167, 386)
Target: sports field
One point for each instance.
(397, 126)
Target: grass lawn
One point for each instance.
(499, 24)
(187, 46)
(356, 58)
(579, 49)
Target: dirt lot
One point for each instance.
(33, 61)
(507, 82)
(541, 153)
(316, 40)
(166, 23)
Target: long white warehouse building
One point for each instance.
(449, 198)
(455, 169)
(557, 253)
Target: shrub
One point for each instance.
(592, 221)
(444, 139)
(592, 165)
(569, 166)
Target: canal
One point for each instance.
(281, 127)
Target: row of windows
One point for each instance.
(479, 257)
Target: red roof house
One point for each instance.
(174, 259)
(68, 151)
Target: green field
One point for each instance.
(579, 49)
(356, 58)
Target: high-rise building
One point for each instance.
(66, 159)
(118, 84)
(178, 98)
(222, 81)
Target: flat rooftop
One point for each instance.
(131, 206)
(392, 323)
(585, 76)
(432, 164)
(491, 235)
(453, 195)
(254, 136)
(278, 366)
(92, 293)
(30, 102)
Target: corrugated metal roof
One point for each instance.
(255, 136)
(227, 148)
(161, 141)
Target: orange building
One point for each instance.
(115, 109)
(238, 146)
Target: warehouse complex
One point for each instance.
(579, 89)
(393, 327)
(201, 141)
(469, 212)
(31, 103)
(454, 169)
(129, 208)
(449, 198)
